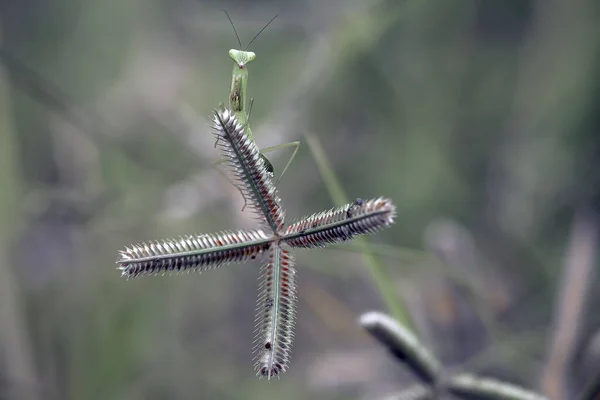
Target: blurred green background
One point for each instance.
(480, 119)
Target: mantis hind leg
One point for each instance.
(295, 145)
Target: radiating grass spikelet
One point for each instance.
(248, 170)
(191, 252)
(340, 224)
(275, 313)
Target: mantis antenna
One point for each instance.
(255, 37)
(233, 26)
(261, 31)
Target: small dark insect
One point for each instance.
(349, 211)
(268, 345)
(358, 202)
(253, 256)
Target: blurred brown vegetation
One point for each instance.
(480, 119)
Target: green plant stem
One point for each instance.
(336, 192)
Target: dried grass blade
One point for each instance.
(403, 345)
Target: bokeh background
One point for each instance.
(480, 119)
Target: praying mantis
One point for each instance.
(237, 97)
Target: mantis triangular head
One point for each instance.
(241, 58)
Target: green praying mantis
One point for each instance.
(237, 97)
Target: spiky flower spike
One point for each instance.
(191, 253)
(248, 170)
(275, 313)
(340, 224)
(276, 309)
